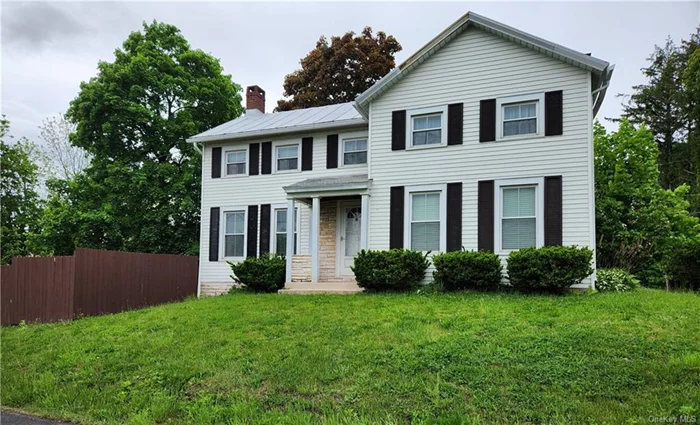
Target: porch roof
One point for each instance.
(359, 182)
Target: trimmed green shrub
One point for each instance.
(393, 270)
(615, 280)
(263, 274)
(467, 270)
(684, 265)
(549, 268)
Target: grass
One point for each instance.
(463, 358)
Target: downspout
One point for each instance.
(196, 147)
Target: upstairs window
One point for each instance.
(519, 119)
(355, 151)
(236, 162)
(287, 157)
(427, 130)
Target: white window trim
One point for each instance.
(279, 144)
(408, 191)
(501, 102)
(222, 232)
(539, 209)
(341, 149)
(273, 227)
(442, 110)
(225, 163)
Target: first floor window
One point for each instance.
(519, 217)
(281, 231)
(354, 151)
(426, 129)
(235, 162)
(520, 118)
(234, 233)
(287, 157)
(425, 221)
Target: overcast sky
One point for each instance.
(49, 48)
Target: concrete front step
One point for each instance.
(321, 288)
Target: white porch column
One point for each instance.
(364, 219)
(315, 232)
(290, 238)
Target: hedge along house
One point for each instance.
(482, 139)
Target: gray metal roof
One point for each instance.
(356, 181)
(581, 60)
(254, 123)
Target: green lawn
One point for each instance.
(465, 358)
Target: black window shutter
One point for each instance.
(487, 120)
(485, 215)
(455, 124)
(398, 130)
(216, 163)
(396, 212)
(266, 167)
(553, 113)
(265, 211)
(252, 245)
(332, 151)
(307, 153)
(254, 159)
(214, 234)
(553, 210)
(454, 216)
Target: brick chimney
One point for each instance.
(255, 98)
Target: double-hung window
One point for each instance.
(280, 231)
(425, 218)
(355, 151)
(426, 127)
(234, 233)
(520, 116)
(236, 162)
(287, 157)
(520, 220)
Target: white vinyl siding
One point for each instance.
(476, 66)
(236, 162)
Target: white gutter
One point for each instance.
(281, 130)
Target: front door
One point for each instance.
(349, 219)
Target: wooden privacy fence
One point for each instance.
(92, 282)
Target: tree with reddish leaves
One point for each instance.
(339, 70)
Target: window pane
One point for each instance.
(419, 138)
(420, 123)
(287, 152)
(233, 246)
(526, 202)
(287, 164)
(519, 202)
(425, 236)
(433, 137)
(281, 221)
(527, 110)
(235, 168)
(281, 244)
(235, 223)
(527, 126)
(355, 158)
(425, 207)
(518, 233)
(235, 157)
(434, 121)
(510, 203)
(511, 112)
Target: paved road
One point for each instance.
(10, 418)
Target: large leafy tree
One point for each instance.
(21, 204)
(637, 220)
(141, 191)
(339, 70)
(667, 104)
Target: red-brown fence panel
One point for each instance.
(92, 282)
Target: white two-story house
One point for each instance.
(482, 139)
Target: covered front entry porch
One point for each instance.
(337, 230)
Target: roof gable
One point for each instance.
(601, 69)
